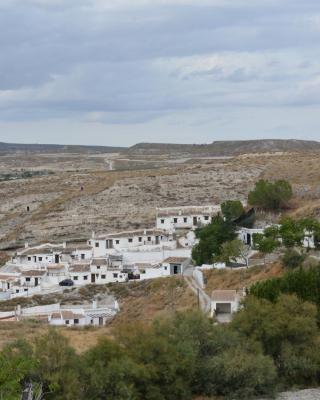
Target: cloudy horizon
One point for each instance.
(119, 72)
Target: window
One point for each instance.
(185, 219)
(83, 256)
(28, 279)
(165, 268)
(25, 290)
(98, 266)
(40, 258)
(29, 258)
(103, 277)
(91, 322)
(149, 238)
(140, 239)
(206, 217)
(117, 241)
(17, 290)
(67, 322)
(85, 278)
(75, 278)
(175, 220)
(162, 221)
(115, 275)
(130, 240)
(97, 244)
(76, 321)
(89, 242)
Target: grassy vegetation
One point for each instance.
(239, 278)
(139, 301)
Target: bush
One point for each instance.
(232, 209)
(211, 238)
(288, 332)
(293, 259)
(270, 195)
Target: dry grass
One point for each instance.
(139, 301)
(237, 279)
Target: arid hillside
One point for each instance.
(67, 196)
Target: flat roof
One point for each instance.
(224, 295)
(176, 260)
(188, 211)
(139, 232)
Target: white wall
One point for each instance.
(182, 221)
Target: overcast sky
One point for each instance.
(117, 72)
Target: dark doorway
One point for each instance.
(36, 281)
(100, 321)
(195, 221)
(157, 240)
(248, 239)
(175, 269)
(93, 278)
(223, 308)
(56, 258)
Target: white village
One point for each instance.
(157, 252)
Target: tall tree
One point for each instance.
(269, 195)
(211, 237)
(232, 209)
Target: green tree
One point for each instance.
(211, 237)
(57, 366)
(265, 244)
(232, 209)
(312, 229)
(16, 365)
(269, 195)
(233, 250)
(291, 232)
(108, 373)
(293, 259)
(288, 332)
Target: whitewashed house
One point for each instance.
(146, 270)
(102, 272)
(81, 274)
(175, 265)
(143, 239)
(72, 316)
(224, 303)
(188, 240)
(39, 255)
(186, 217)
(246, 235)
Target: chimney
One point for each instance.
(144, 231)
(94, 304)
(26, 245)
(93, 234)
(64, 245)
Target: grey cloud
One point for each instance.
(77, 59)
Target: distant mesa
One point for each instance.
(226, 148)
(215, 149)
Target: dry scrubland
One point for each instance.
(139, 302)
(126, 198)
(121, 192)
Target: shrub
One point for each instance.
(270, 195)
(293, 259)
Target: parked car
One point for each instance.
(66, 282)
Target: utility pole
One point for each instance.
(198, 297)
